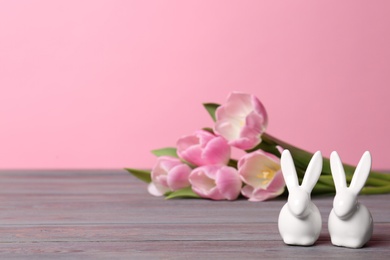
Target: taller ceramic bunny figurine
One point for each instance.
(350, 223)
(300, 220)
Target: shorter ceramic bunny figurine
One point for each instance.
(350, 223)
(300, 220)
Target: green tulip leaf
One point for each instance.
(182, 193)
(208, 129)
(143, 175)
(167, 151)
(211, 108)
(233, 163)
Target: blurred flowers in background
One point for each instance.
(261, 173)
(217, 182)
(203, 148)
(200, 166)
(168, 174)
(241, 120)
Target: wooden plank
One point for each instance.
(187, 250)
(109, 214)
(151, 232)
(56, 209)
(133, 208)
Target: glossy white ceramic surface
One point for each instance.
(350, 223)
(299, 220)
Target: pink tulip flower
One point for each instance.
(241, 120)
(216, 182)
(261, 173)
(203, 148)
(168, 174)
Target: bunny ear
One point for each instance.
(288, 169)
(361, 173)
(338, 173)
(313, 172)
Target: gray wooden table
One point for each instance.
(106, 214)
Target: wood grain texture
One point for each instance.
(100, 214)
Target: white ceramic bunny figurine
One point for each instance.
(350, 223)
(300, 220)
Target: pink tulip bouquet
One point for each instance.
(201, 166)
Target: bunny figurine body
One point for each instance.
(350, 223)
(300, 220)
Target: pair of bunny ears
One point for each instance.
(314, 170)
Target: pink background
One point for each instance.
(97, 84)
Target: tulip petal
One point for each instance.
(260, 194)
(260, 109)
(167, 163)
(277, 183)
(203, 148)
(201, 183)
(231, 131)
(247, 191)
(163, 165)
(261, 173)
(156, 191)
(253, 125)
(228, 183)
(239, 104)
(217, 151)
(204, 138)
(168, 174)
(245, 143)
(241, 120)
(178, 177)
(161, 181)
(215, 194)
(193, 155)
(186, 141)
(258, 169)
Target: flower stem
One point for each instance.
(323, 189)
(376, 190)
(327, 179)
(233, 163)
(301, 158)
